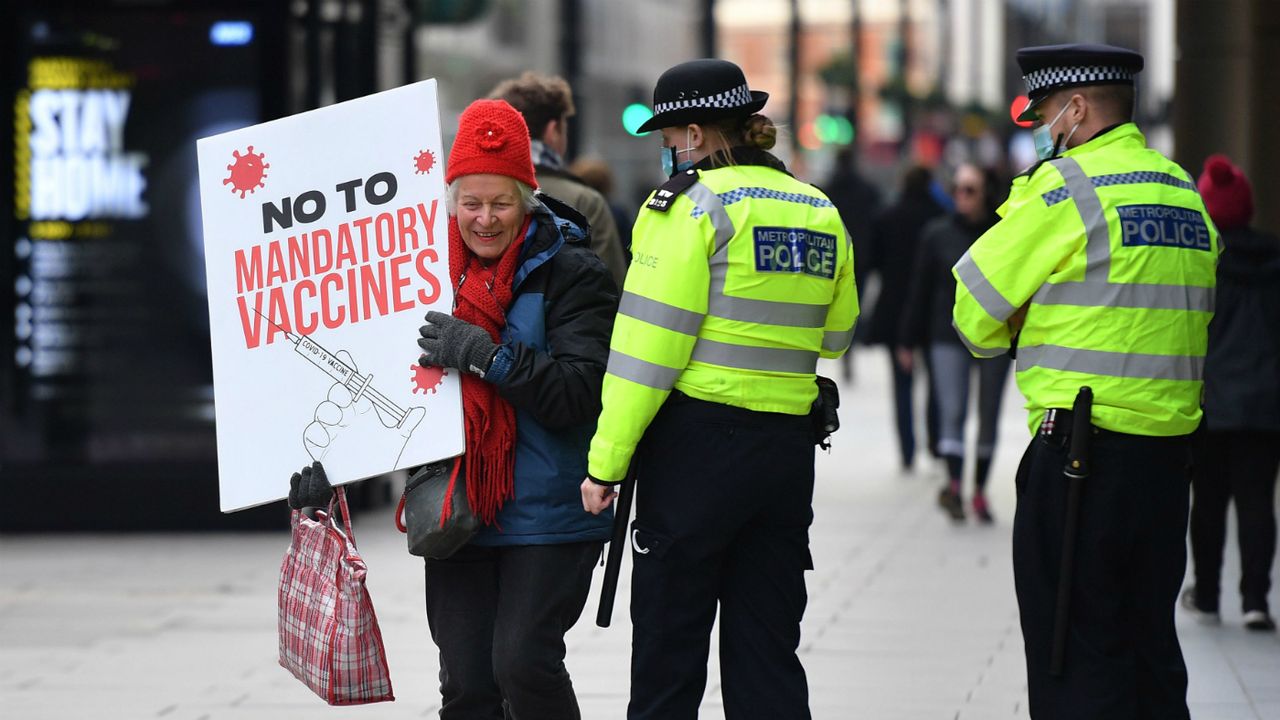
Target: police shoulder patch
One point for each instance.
(666, 195)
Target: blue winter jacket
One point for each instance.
(550, 367)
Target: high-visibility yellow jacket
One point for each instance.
(1111, 250)
(740, 278)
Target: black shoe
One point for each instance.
(1259, 620)
(950, 501)
(981, 510)
(1204, 617)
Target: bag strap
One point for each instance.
(399, 517)
(340, 497)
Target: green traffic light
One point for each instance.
(826, 128)
(635, 115)
(833, 129)
(844, 131)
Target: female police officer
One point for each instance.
(741, 278)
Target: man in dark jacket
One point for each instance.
(895, 235)
(1238, 448)
(858, 202)
(547, 104)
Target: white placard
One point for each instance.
(325, 245)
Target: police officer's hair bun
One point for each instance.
(759, 131)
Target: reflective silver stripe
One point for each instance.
(1152, 297)
(978, 350)
(754, 358)
(980, 287)
(1098, 245)
(709, 203)
(1112, 364)
(769, 312)
(837, 340)
(643, 372)
(661, 314)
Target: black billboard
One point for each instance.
(106, 399)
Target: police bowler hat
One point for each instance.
(1048, 68)
(702, 90)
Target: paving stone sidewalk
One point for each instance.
(910, 616)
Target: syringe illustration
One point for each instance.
(359, 385)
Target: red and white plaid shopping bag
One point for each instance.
(329, 636)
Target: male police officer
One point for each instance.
(1101, 275)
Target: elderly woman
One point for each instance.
(533, 312)
(530, 331)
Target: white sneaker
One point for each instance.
(1259, 620)
(1188, 601)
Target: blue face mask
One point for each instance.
(669, 154)
(1046, 147)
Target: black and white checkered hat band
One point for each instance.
(737, 97)
(1052, 77)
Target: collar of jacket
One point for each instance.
(560, 172)
(1249, 255)
(554, 225)
(1122, 134)
(1114, 134)
(545, 156)
(743, 155)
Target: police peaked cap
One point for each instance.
(702, 90)
(1048, 68)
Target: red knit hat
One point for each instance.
(492, 139)
(1227, 194)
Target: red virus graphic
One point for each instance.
(427, 379)
(247, 172)
(424, 162)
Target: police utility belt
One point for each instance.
(824, 416)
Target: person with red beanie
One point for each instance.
(1238, 447)
(529, 333)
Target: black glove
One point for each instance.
(449, 342)
(310, 488)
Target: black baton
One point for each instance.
(1076, 470)
(613, 566)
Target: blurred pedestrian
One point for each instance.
(1100, 274)
(1238, 448)
(529, 333)
(859, 203)
(546, 102)
(742, 279)
(895, 237)
(926, 324)
(595, 172)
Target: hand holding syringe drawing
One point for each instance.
(354, 415)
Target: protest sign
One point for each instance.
(325, 245)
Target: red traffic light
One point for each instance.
(1019, 103)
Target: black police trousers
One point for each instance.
(1123, 660)
(724, 500)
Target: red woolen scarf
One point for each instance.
(483, 295)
